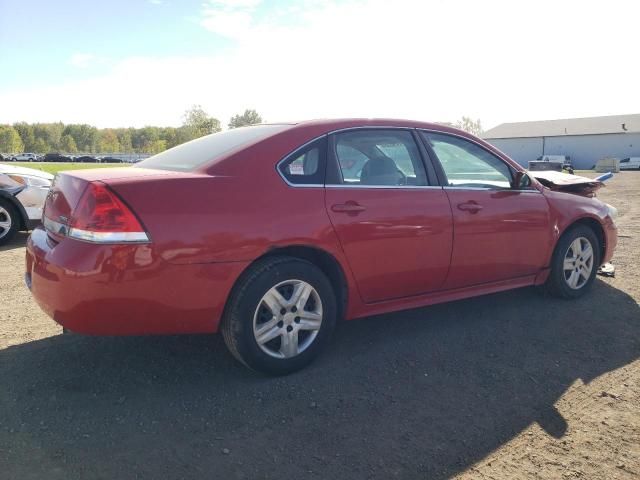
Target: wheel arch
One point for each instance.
(325, 261)
(321, 258)
(9, 197)
(593, 224)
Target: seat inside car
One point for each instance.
(310, 162)
(380, 171)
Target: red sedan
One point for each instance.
(273, 233)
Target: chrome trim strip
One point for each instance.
(94, 237)
(108, 237)
(303, 185)
(371, 127)
(462, 137)
(380, 127)
(53, 226)
(492, 189)
(392, 187)
(346, 129)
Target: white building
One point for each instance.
(584, 140)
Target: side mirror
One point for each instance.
(521, 181)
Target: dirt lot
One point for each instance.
(508, 386)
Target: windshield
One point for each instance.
(193, 154)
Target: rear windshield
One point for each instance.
(193, 154)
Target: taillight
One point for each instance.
(101, 217)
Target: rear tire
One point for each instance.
(9, 221)
(280, 315)
(574, 264)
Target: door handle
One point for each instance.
(348, 207)
(471, 207)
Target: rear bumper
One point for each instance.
(125, 289)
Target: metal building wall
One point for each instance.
(584, 150)
(522, 150)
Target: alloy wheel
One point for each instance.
(287, 319)
(5, 222)
(578, 263)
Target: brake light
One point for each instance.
(101, 217)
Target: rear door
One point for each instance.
(394, 225)
(500, 232)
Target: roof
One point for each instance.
(567, 126)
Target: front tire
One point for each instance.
(280, 315)
(9, 221)
(574, 264)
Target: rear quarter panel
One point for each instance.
(234, 219)
(204, 219)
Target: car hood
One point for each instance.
(564, 182)
(11, 170)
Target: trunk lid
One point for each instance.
(65, 198)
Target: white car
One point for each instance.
(22, 195)
(24, 157)
(631, 163)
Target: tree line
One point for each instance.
(76, 138)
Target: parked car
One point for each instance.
(56, 157)
(109, 159)
(631, 163)
(563, 160)
(258, 233)
(86, 159)
(24, 157)
(22, 195)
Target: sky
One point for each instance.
(122, 63)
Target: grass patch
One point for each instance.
(53, 168)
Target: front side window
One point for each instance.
(466, 164)
(378, 157)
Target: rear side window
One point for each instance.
(379, 157)
(305, 166)
(193, 154)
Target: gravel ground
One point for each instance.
(507, 386)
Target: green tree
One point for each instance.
(10, 141)
(472, 126)
(50, 133)
(68, 144)
(40, 146)
(25, 131)
(124, 139)
(85, 136)
(200, 123)
(156, 147)
(183, 134)
(108, 142)
(143, 138)
(249, 117)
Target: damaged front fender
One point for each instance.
(564, 182)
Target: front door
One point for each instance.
(395, 229)
(500, 233)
